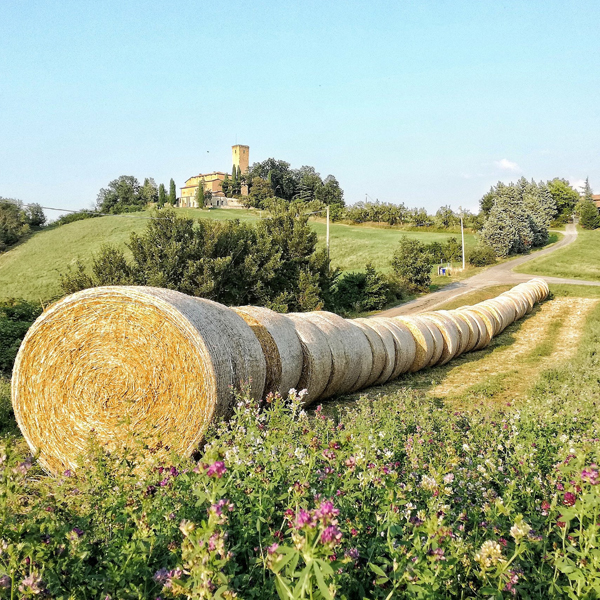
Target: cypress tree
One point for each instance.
(172, 193)
(162, 195)
(588, 215)
(200, 195)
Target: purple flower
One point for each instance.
(174, 472)
(164, 482)
(569, 499)
(331, 535)
(327, 512)
(273, 548)
(68, 473)
(303, 519)
(590, 476)
(352, 553)
(5, 582)
(217, 469)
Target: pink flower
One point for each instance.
(303, 519)
(569, 499)
(331, 535)
(590, 476)
(273, 548)
(327, 512)
(217, 469)
(545, 507)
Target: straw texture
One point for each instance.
(464, 332)
(438, 339)
(160, 360)
(381, 326)
(378, 350)
(450, 333)
(316, 358)
(424, 343)
(359, 357)
(280, 344)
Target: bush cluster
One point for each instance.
(16, 316)
(76, 216)
(481, 256)
(16, 220)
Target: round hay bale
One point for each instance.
(512, 305)
(281, 347)
(518, 301)
(339, 358)
(523, 291)
(498, 314)
(380, 326)
(450, 334)
(316, 358)
(438, 340)
(404, 346)
(116, 360)
(470, 323)
(484, 324)
(378, 350)
(462, 326)
(424, 343)
(358, 352)
(507, 311)
(491, 319)
(543, 287)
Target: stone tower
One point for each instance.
(241, 158)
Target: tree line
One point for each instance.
(17, 220)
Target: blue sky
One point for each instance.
(426, 103)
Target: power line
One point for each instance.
(129, 215)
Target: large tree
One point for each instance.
(121, 195)
(564, 196)
(172, 193)
(162, 195)
(519, 216)
(149, 191)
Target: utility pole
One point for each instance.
(462, 235)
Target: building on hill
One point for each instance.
(212, 183)
(596, 199)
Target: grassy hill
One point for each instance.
(579, 260)
(31, 269)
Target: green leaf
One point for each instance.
(378, 570)
(321, 583)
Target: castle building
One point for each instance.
(212, 182)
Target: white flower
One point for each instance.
(489, 554)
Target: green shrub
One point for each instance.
(76, 216)
(412, 264)
(481, 256)
(16, 317)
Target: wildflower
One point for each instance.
(217, 509)
(428, 483)
(68, 473)
(23, 467)
(520, 529)
(545, 507)
(327, 513)
(352, 553)
(217, 469)
(5, 582)
(559, 522)
(438, 554)
(489, 555)
(590, 475)
(186, 527)
(303, 519)
(569, 499)
(273, 548)
(331, 535)
(449, 478)
(32, 584)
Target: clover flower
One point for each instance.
(217, 469)
(590, 475)
(273, 548)
(303, 519)
(186, 527)
(489, 555)
(331, 536)
(428, 483)
(520, 529)
(5, 582)
(569, 499)
(32, 584)
(217, 510)
(326, 513)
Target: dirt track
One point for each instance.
(502, 274)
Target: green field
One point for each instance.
(579, 260)
(31, 269)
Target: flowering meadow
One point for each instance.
(399, 496)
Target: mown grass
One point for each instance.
(31, 270)
(579, 260)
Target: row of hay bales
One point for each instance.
(117, 359)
